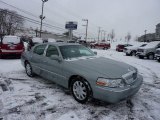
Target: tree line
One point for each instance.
(10, 22)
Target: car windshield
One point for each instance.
(143, 45)
(75, 51)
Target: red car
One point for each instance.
(120, 47)
(11, 45)
(102, 45)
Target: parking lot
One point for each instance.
(22, 97)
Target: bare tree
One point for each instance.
(112, 35)
(128, 37)
(136, 38)
(10, 22)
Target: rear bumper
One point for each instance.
(113, 95)
(11, 52)
(119, 49)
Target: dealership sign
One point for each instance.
(71, 25)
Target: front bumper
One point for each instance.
(157, 56)
(141, 54)
(113, 95)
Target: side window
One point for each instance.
(39, 49)
(52, 50)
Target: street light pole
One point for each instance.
(99, 30)
(41, 16)
(86, 27)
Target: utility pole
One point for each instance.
(99, 30)
(104, 36)
(145, 36)
(86, 27)
(41, 16)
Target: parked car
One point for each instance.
(148, 50)
(71, 41)
(101, 45)
(157, 55)
(132, 50)
(33, 41)
(77, 68)
(11, 45)
(83, 42)
(120, 47)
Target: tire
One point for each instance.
(80, 90)
(150, 56)
(28, 69)
(158, 60)
(141, 57)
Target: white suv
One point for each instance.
(148, 50)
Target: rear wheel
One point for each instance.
(80, 90)
(28, 68)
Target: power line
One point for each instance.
(32, 20)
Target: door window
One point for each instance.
(52, 50)
(39, 49)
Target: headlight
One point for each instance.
(110, 82)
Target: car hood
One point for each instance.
(104, 66)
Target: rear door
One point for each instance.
(37, 57)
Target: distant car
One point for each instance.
(71, 41)
(33, 41)
(132, 50)
(77, 68)
(157, 54)
(59, 41)
(148, 50)
(11, 45)
(120, 47)
(83, 42)
(101, 45)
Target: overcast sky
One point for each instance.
(123, 16)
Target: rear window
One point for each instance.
(9, 39)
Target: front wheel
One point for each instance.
(80, 90)
(29, 70)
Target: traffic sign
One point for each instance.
(71, 25)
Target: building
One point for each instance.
(147, 38)
(30, 32)
(151, 36)
(157, 34)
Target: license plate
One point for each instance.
(12, 47)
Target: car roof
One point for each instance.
(59, 43)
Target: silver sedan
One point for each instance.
(77, 68)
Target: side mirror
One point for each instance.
(55, 57)
(95, 52)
